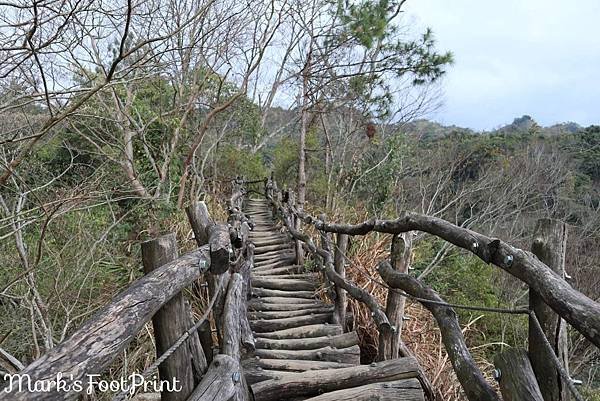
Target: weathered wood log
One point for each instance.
(276, 283)
(389, 342)
(350, 355)
(339, 264)
(340, 341)
(282, 258)
(257, 374)
(263, 326)
(315, 330)
(265, 292)
(92, 348)
(283, 300)
(292, 365)
(470, 377)
(222, 381)
(289, 313)
(580, 311)
(219, 292)
(311, 383)
(312, 277)
(276, 269)
(207, 232)
(200, 220)
(246, 330)
(516, 378)
(257, 306)
(398, 390)
(188, 363)
(273, 240)
(220, 248)
(231, 318)
(205, 334)
(281, 262)
(549, 245)
(272, 248)
(283, 254)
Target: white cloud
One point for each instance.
(516, 57)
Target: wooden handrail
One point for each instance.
(92, 348)
(580, 311)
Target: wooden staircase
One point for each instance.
(299, 353)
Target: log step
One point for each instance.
(266, 315)
(350, 355)
(269, 264)
(292, 365)
(259, 250)
(340, 341)
(257, 306)
(314, 382)
(276, 268)
(270, 325)
(283, 284)
(312, 277)
(398, 390)
(265, 292)
(315, 330)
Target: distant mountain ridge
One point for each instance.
(426, 129)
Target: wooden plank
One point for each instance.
(516, 378)
(312, 383)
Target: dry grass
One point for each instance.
(420, 333)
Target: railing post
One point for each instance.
(549, 245)
(400, 254)
(188, 363)
(296, 223)
(217, 236)
(515, 376)
(339, 262)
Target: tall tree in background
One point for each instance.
(355, 57)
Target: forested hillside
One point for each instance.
(114, 117)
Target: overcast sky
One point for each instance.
(516, 57)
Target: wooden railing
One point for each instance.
(540, 374)
(223, 260)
